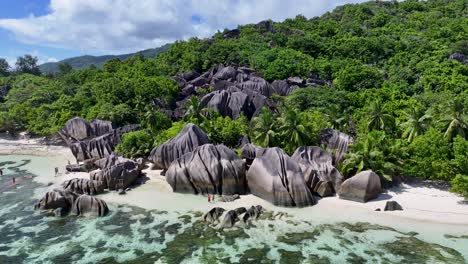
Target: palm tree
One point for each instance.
(292, 130)
(379, 118)
(455, 120)
(416, 123)
(195, 110)
(264, 128)
(373, 152)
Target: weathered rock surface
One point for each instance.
(362, 187)
(117, 176)
(278, 178)
(253, 213)
(229, 103)
(319, 173)
(208, 169)
(335, 142)
(393, 206)
(249, 152)
(92, 140)
(57, 198)
(86, 205)
(186, 141)
(232, 217)
(83, 186)
(229, 198)
(213, 215)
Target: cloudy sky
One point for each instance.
(58, 29)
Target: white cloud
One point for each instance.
(122, 26)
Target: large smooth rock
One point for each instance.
(118, 176)
(335, 142)
(281, 87)
(277, 178)
(208, 169)
(229, 103)
(58, 198)
(253, 213)
(83, 186)
(258, 85)
(86, 205)
(362, 187)
(92, 140)
(186, 141)
(319, 173)
(226, 73)
(232, 217)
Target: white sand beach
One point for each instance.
(421, 204)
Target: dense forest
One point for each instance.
(393, 75)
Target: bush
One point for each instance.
(224, 130)
(460, 185)
(135, 144)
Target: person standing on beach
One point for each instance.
(1, 172)
(56, 171)
(209, 198)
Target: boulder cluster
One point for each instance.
(92, 140)
(195, 166)
(108, 171)
(231, 217)
(234, 90)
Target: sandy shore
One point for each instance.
(420, 203)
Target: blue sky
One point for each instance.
(56, 29)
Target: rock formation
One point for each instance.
(208, 169)
(86, 205)
(253, 213)
(362, 187)
(278, 178)
(335, 142)
(118, 176)
(186, 141)
(213, 215)
(319, 173)
(92, 140)
(232, 217)
(393, 206)
(249, 152)
(57, 198)
(83, 186)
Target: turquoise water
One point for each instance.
(134, 235)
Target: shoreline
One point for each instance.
(421, 204)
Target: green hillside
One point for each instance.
(82, 62)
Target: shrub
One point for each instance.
(135, 144)
(460, 185)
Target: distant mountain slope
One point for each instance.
(87, 60)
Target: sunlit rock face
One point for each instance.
(214, 169)
(277, 178)
(55, 199)
(186, 141)
(319, 173)
(92, 140)
(336, 143)
(83, 186)
(117, 176)
(362, 187)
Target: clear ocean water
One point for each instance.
(135, 235)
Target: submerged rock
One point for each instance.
(86, 205)
(362, 187)
(253, 213)
(213, 215)
(393, 206)
(208, 169)
(319, 173)
(186, 141)
(232, 217)
(277, 178)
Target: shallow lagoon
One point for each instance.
(131, 234)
